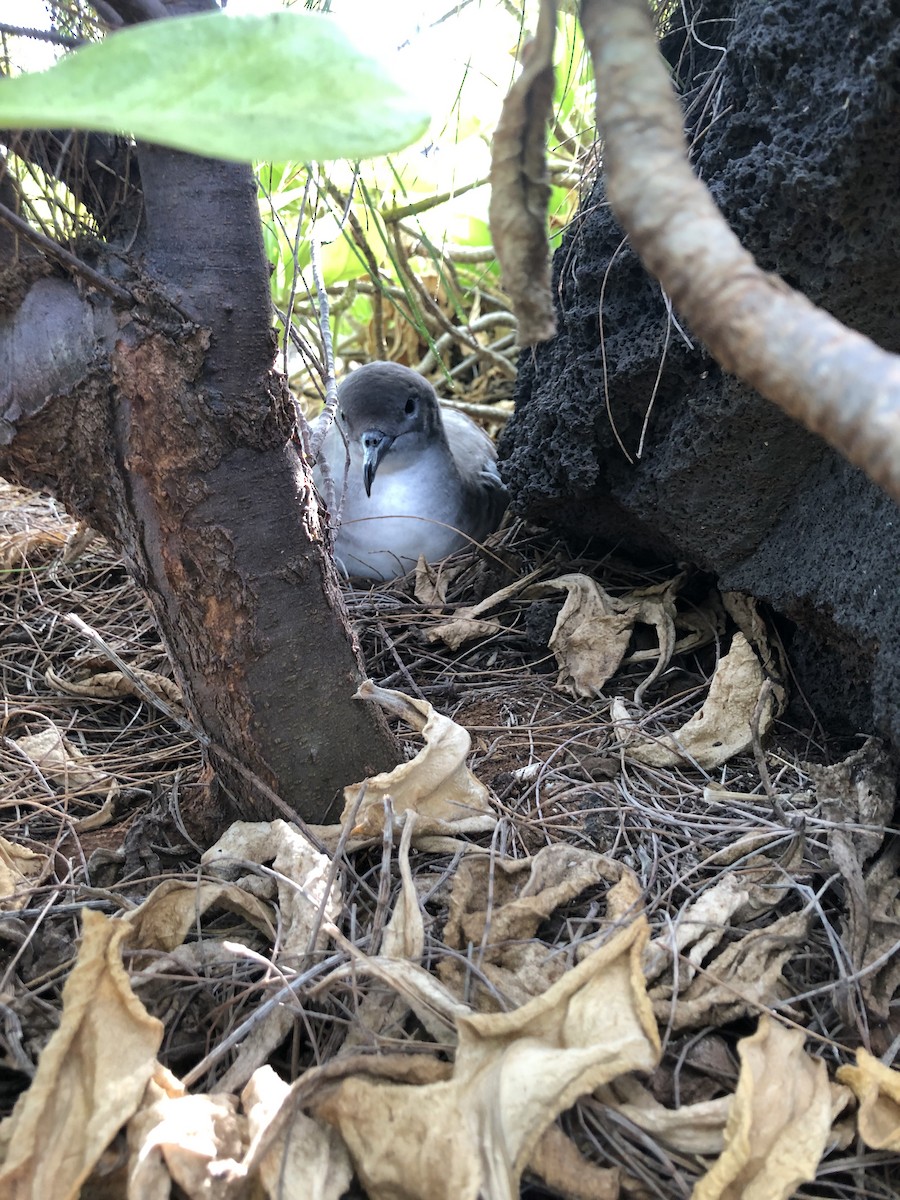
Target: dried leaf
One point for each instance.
(437, 785)
(306, 891)
(473, 1134)
(90, 1078)
(63, 764)
(557, 1160)
(309, 899)
(404, 934)
(779, 1123)
(520, 192)
(461, 629)
(877, 1090)
(306, 1160)
(593, 630)
(379, 1015)
(432, 1003)
(857, 798)
(744, 611)
(656, 606)
(21, 870)
(497, 904)
(695, 627)
(690, 1129)
(702, 924)
(591, 634)
(432, 581)
(744, 978)
(194, 1142)
(176, 906)
(882, 898)
(722, 727)
(858, 795)
(464, 625)
(111, 685)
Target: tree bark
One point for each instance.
(165, 426)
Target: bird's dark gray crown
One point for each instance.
(391, 398)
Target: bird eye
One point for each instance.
(343, 415)
(410, 407)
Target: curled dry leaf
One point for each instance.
(473, 1134)
(63, 764)
(558, 1161)
(497, 904)
(306, 892)
(434, 1005)
(111, 685)
(857, 795)
(437, 785)
(308, 899)
(780, 1120)
(304, 1160)
(462, 629)
(736, 897)
(882, 900)
(175, 907)
(211, 1151)
(432, 581)
(404, 934)
(194, 1142)
(465, 624)
(744, 978)
(520, 191)
(857, 798)
(722, 727)
(695, 627)
(90, 1078)
(593, 630)
(21, 870)
(690, 1129)
(591, 634)
(404, 939)
(877, 1090)
(744, 611)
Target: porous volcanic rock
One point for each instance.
(794, 110)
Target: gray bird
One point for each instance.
(419, 480)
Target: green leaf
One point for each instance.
(288, 85)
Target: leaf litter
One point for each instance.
(565, 940)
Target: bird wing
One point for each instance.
(484, 496)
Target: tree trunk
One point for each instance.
(165, 426)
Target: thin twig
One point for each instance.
(327, 417)
(65, 257)
(42, 35)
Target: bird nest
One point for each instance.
(752, 862)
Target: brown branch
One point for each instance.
(833, 380)
(65, 257)
(42, 35)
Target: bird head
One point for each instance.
(386, 408)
